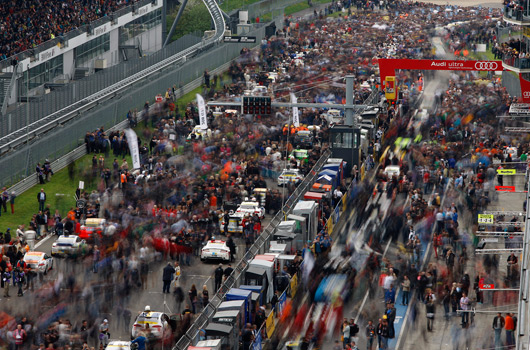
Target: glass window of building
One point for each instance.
(140, 25)
(92, 49)
(43, 73)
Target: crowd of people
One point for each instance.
(176, 201)
(27, 24)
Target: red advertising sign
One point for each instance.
(387, 67)
(525, 88)
(486, 286)
(505, 188)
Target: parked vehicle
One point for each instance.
(290, 176)
(159, 324)
(215, 249)
(303, 139)
(39, 261)
(68, 246)
(91, 228)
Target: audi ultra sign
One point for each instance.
(387, 66)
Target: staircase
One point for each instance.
(5, 79)
(80, 73)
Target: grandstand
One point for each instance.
(56, 45)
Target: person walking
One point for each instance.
(370, 335)
(390, 294)
(405, 289)
(167, 276)
(20, 278)
(40, 174)
(345, 333)
(41, 198)
(228, 271)
(498, 325)
(232, 246)
(218, 277)
(12, 197)
(205, 296)
(430, 308)
(192, 293)
(177, 274)
(5, 198)
(104, 333)
(464, 306)
(379, 332)
(385, 333)
(6, 278)
(509, 326)
(141, 340)
(20, 337)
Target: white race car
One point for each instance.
(118, 345)
(157, 322)
(290, 175)
(38, 261)
(67, 246)
(251, 208)
(215, 249)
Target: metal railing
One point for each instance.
(260, 245)
(517, 14)
(60, 106)
(504, 34)
(520, 63)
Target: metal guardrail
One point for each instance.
(259, 246)
(51, 121)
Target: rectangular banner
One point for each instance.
(505, 188)
(239, 39)
(329, 226)
(485, 218)
(294, 285)
(269, 324)
(281, 303)
(256, 344)
(203, 122)
(506, 171)
(519, 108)
(296, 117)
(132, 140)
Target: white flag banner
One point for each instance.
(296, 117)
(132, 140)
(202, 112)
(308, 265)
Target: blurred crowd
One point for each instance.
(178, 198)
